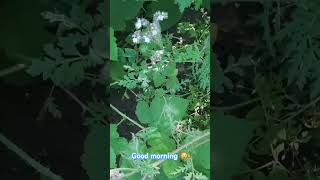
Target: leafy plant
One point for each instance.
(166, 77)
(270, 91)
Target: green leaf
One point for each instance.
(121, 11)
(39, 67)
(230, 141)
(112, 158)
(143, 112)
(118, 144)
(167, 110)
(278, 174)
(169, 167)
(68, 44)
(183, 4)
(174, 14)
(94, 159)
(113, 46)
(201, 157)
(99, 43)
(158, 79)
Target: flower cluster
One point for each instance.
(156, 57)
(150, 31)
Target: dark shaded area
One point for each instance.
(56, 143)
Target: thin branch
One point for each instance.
(45, 105)
(28, 159)
(12, 69)
(75, 98)
(236, 106)
(303, 109)
(126, 117)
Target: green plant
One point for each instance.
(274, 92)
(170, 80)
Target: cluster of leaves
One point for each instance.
(275, 98)
(170, 80)
(79, 49)
(79, 46)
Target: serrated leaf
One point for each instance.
(68, 44)
(183, 4)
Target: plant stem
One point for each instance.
(75, 98)
(126, 117)
(12, 69)
(45, 105)
(303, 109)
(29, 160)
(236, 106)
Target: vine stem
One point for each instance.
(28, 159)
(157, 163)
(126, 117)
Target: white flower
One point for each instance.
(146, 39)
(154, 29)
(135, 40)
(136, 37)
(138, 24)
(144, 22)
(141, 22)
(160, 16)
(160, 52)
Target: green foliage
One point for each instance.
(94, 159)
(230, 147)
(158, 72)
(80, 45)
(122, 11)
(270, 90)
(174, 14)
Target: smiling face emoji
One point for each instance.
(184, 156)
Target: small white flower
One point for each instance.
(138, 24)
(160, 52)
(135, 40)
(141, 22)
(144, 22)
(160, 16)
(146, 39)
(136, 37)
